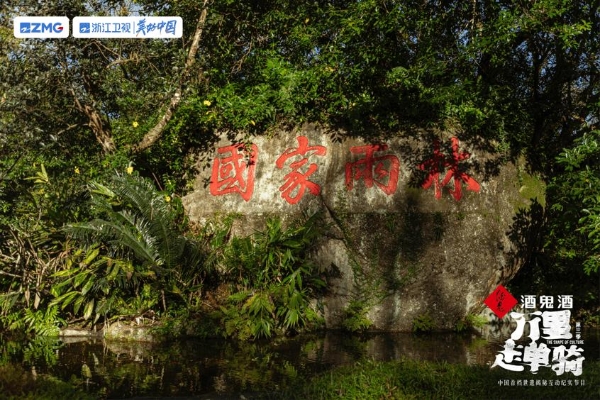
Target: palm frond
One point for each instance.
(133, 237)
(140, 240)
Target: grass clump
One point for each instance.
(410, 379)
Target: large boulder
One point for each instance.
(417, 228)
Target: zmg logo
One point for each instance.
(41, 27)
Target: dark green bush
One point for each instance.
(273, 278)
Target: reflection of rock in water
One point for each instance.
(333, 350)
(220, 384)
(337, 348)
(134, 351)
(80, 339)
(439, 347)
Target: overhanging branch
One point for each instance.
(156, 132)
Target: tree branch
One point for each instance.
(156, 132)
(97, 123)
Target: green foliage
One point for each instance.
(186, 322)
(589, 317)
(355, 317)
(532, 187)
(423, 324)
(410, 379)
(275, 280)
(43, 322)
(272, 254)
(569, 262)
(494, 71)
(132, 251)
(255, 317)
(135, 220)
(576, 195)
(562, 242)
(470, 321)
(31, 250)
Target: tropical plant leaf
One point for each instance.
(89, 308)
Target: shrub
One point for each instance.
(423, 324)
(355, 317)
(275, 280)
(132, 252)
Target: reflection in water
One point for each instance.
(194, 367)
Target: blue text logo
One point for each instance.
(41, 27)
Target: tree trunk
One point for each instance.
(156, 132)
(99, 126)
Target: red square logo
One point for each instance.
(500, 301)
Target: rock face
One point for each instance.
(417, 229)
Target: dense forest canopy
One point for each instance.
(519, 78)
(520, 74)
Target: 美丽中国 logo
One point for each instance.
(41, 27)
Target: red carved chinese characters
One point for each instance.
(439, 163)
(234, 171)
(382, 171)
(296, 182)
